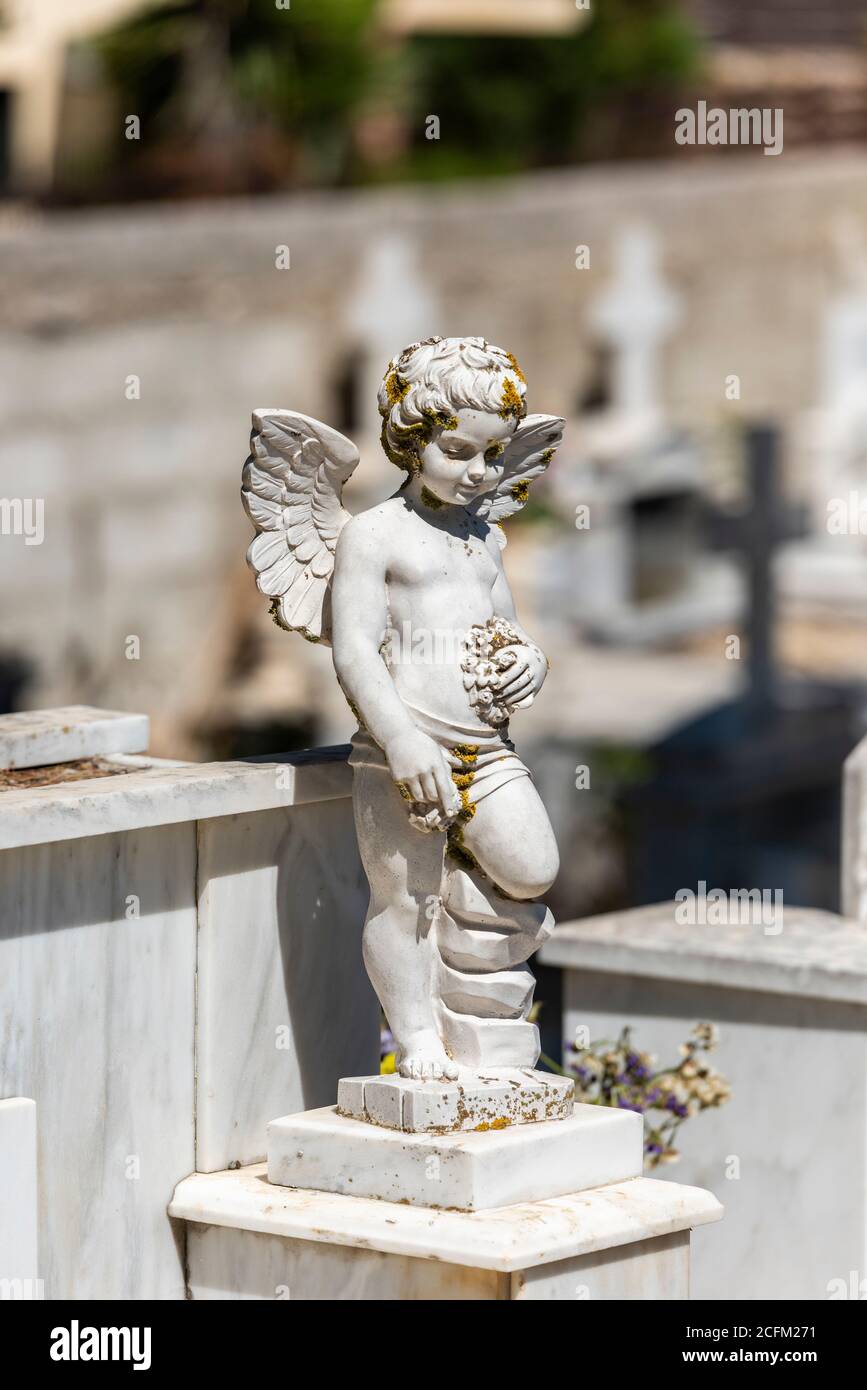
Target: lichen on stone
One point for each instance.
(515, 368)
(513, 406)
(395, 388)
(430, 499)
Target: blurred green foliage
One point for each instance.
(508, 103)
(238, 95)
(274, 88)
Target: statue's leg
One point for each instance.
(511, 839)
(404, 869)
(491, 926)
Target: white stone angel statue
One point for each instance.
(413, 596)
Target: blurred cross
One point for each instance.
(390, 306)
(757, 532)
(635, 315)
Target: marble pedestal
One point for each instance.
(349, 1209)
(460, 1171)
(247, 1239)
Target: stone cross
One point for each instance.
(391, 304)
(634, 315)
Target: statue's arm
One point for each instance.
(526, 676)
(359, 616)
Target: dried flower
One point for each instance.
(617, 1074)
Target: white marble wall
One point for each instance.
(786, 1156)
(284, 1009)
(19, 1259)
(96, 1025)
(123, 954)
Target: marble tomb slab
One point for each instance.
(36, 738)
(167, 793)
(514, 1096)
(816, 954)
(461, 1171)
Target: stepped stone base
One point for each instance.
(459, 1171)
(478, 1101)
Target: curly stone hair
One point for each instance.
(429, 381)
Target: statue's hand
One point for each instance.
(419, 768)
(524, 670)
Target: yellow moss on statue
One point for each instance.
(515, 368)
(395, 388)
(513, 405)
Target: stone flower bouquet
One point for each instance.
(620, 1075)
(489, 651)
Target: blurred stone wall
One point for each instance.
(144, 534)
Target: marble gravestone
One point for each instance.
(636, 570)
(826, 573)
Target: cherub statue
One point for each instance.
(413, 596)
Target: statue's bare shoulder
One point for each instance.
(374, 534)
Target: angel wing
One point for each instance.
(291, 490)
(527, 455)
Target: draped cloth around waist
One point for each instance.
(484, 757)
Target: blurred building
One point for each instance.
(810, 59)
(484, 16)
(37, 87)
(34, 38)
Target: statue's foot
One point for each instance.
(425, 1059)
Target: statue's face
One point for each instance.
(459, 465)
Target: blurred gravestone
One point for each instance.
(637, 571)
(828, 571)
